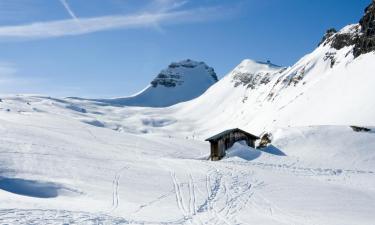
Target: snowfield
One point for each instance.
(56, 168)
(77, 161)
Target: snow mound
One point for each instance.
(339, 145)
(243, 151)
(240, 150)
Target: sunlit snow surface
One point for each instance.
(99, 175)
(70, 161)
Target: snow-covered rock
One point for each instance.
(252, 74)
(181, 81)
(361, 35)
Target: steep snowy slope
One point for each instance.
(326, 87)
(181, 81)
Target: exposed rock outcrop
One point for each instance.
(251, 80)
(360, 129)
(366, 40)
(329, 33)
(252, 74)
(171, 77)
(361, 36)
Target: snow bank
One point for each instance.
(243, 151)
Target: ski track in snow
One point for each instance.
(115, 189)
(226, 194)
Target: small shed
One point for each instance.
(224, 140)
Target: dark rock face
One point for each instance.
(167, 79)
(251, 80)
(342, 40)
(362, 36)
(329, 33)
(366, 40)
(330, 56)
(171, 76)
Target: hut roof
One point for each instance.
(220, 135)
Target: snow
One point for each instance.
(77, 161)
(98, 174)
(242, 151)
(189, 79)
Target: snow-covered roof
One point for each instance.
(220, 135)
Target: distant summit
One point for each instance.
(172, 77)
(181, 81)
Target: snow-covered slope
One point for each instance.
(329, 86)
(326, 87)
(55, 168)
(181, 81)
(74, 161)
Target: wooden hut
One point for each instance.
(224, 140)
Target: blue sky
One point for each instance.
(105, 48)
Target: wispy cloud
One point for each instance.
(68, 27)
(68, 9)
(167, 5)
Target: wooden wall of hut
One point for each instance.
(219, 147)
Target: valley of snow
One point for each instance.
(80, 161)
(60, 167)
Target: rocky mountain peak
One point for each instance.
(174, 74)
(361, 36)
(251, 74)
(329, 33)
(366, 40)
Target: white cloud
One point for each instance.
(66, 27)
(68, 9)
(166, 5)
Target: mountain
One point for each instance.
(333, 85)
(74, 161)
(181, 81)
